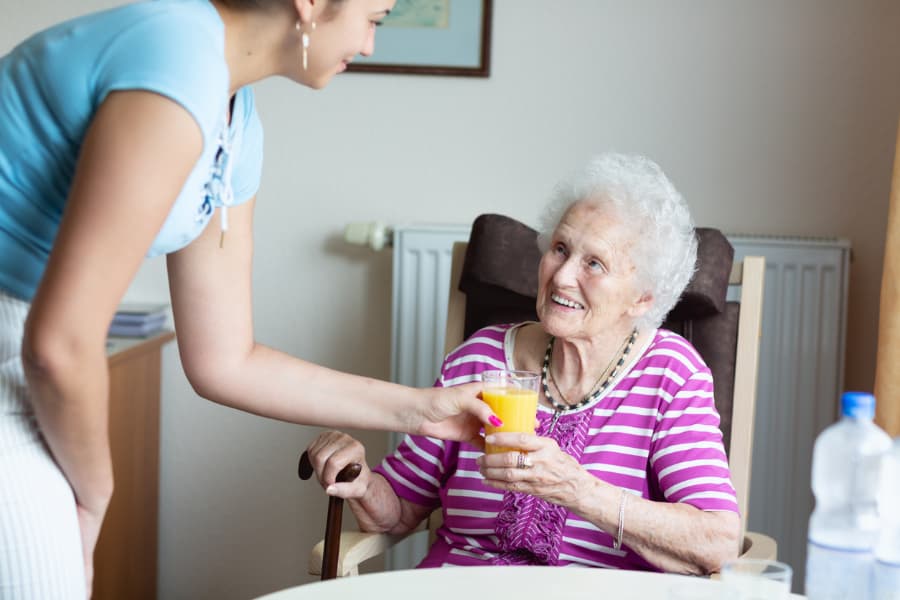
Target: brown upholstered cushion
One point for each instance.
(500, 273)
(710, 323)
(715, 338)
(705, 294)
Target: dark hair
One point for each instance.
(253, 4)
(266, 4)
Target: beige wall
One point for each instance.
(770, 116)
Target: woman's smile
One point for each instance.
(566, 302)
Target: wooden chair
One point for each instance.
(494, 280)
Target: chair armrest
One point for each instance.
(356, 547)
(755, 545)
(758, 545)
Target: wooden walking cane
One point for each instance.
(335, 512)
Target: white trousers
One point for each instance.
(40, 541)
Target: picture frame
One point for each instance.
(432, 37)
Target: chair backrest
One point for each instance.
(494, 280)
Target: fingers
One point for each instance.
(330, 452)
(355, 489)
(454, 413)
(504, 465)
(540, 469)
(499, 465)
(528, 442)
(473, 404)
(516, 473)
(477, 441)
(527, 462)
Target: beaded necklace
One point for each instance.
(547, 374)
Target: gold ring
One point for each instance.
(523, 461)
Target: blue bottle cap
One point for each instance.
(858, 405)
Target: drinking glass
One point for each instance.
(758, 579)
(513, 396)
(695, 588)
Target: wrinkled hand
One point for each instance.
(89, 523)
(332, 451)
(553, 475)
(455, 413)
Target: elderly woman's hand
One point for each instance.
(331, 452)
(544, 470)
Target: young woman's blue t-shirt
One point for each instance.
(50, 88)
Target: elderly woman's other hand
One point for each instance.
(540, 468)
(330, 452)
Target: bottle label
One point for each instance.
(886, 581)
(837, 573)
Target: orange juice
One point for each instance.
(517, 408)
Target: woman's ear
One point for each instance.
(304, 10)
(640, 306)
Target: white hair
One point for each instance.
(664, 251)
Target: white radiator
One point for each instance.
(421, 286)
(801, 377)
(800, 371)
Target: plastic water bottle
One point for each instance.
(843, 528)
(886, 572)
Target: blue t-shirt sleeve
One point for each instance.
(188, 67)
(248, 168)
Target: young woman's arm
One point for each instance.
(212, 302)
(134, 160)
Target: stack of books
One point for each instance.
(139, 319)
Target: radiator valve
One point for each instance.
(374, 234)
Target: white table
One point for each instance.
(521, 583)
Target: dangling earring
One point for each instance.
(304, 42)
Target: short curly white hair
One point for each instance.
(635, 188)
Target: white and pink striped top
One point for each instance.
(654, 432)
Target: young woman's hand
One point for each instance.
(89, 522)
(456, 413)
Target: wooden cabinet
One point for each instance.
(125, 558)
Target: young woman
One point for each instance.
(127, 133)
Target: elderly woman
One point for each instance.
(627, 467)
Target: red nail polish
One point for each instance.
(495, 421)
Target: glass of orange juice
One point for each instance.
(513, 396)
